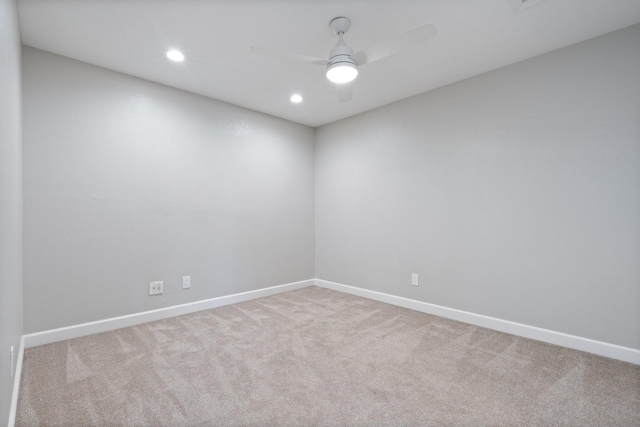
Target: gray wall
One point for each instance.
(514, 194)
(10, 200)
(128, 181)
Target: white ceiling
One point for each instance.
(474, 36)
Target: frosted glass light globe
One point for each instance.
(342, 72)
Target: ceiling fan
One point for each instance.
(342, 65)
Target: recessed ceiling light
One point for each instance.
(296, 98)
(175, 55)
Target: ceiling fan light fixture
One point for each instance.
(342, 65)
(341, 68)
(342, 72)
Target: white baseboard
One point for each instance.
(600, 348)
(613, 351)
(69, 332)
(16, 385)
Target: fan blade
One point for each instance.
(395, 44)
(345, 91)
(288, 56)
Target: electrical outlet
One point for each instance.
(186, 282)
(156, 288)
(11, 363)
(414, 280)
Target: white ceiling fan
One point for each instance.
(342, 65)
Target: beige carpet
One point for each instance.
(320, 357)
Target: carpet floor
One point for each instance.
(317, 357)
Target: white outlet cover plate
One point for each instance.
(156, 288)
(186, 282)
(414, 280)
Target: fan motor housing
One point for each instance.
(341, 53)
